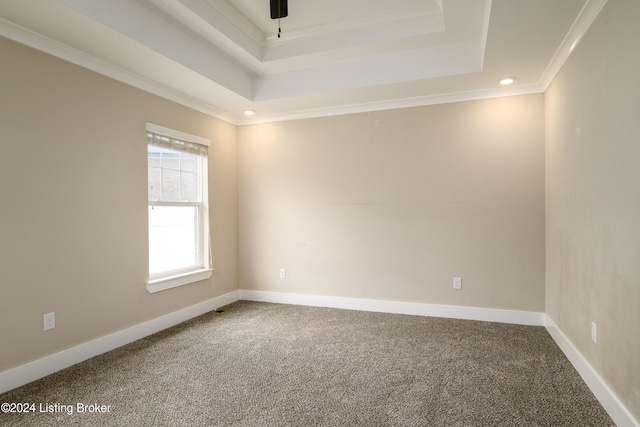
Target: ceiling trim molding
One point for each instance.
(229, 13)
(209, 21)
(485, 31)
(581, 25)
(291, 45)
(587, 16)
(359, 72)
(62, 51)
(420, 101)
(134, 21)
(371, 23)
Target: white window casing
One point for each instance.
(179, 240)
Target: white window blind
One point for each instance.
(174, 169)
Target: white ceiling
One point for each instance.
(333, 57)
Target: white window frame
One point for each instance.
(172, 279)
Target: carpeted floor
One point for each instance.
(258, 364)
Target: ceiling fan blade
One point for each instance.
(279, 9)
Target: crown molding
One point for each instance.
(418, 101)
(225, 11)
(401, 18)
(52, 47)
(588, 15)
(581, 25)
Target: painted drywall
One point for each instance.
(392, 205)
(593, 199)
(73, 215)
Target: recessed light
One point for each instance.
(506, 81)
(249, 112)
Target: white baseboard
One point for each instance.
(37, 369)
(609, 401)
(397, 307)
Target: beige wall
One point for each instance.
(392, 205)
(387, 205)
(593, 199)
(73, 214)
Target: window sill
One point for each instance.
(164, 283)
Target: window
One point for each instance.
(179, 251)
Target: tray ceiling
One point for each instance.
(333, 57)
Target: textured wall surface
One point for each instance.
(593, 199)
(73, 216)
(392, 205)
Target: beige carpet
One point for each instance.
(258, 364)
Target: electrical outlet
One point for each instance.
(594, 332)
(283, 273)
(457, 283)
(49, 321)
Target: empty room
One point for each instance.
(292, 213)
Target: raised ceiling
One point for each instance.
(334, 56)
